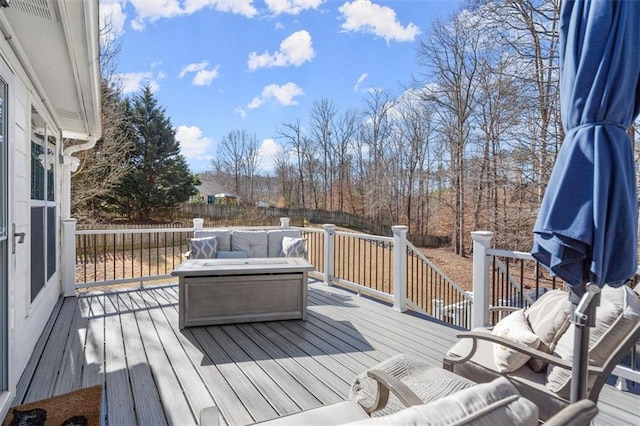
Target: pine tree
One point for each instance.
(159, 177)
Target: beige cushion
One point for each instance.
(203, 248)
(617, 314)
(328, 415)
(253, 242)
(274, 237)
(494, 403)
(513, 327)
(223, 236)
(549, 318)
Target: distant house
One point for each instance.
(50, 109)
(211, 192)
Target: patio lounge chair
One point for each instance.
(497, 402)
(534, 348)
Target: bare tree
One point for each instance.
(321, 116)
(102, 167)
(451, 56)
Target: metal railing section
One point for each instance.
(431, 291)
(105, 257)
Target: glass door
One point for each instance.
(4, 238)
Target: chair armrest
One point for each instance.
(187, 255)
(534, 353)
(575, 414)
(504, 309)
(386, 382)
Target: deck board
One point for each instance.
(153, 373)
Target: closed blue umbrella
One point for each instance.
(587, 224)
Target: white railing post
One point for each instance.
(198, 223)
(69, 257)
(480, 308)
(400, 267)
(284, 222)
(329, 232)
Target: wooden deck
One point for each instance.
(153, 373)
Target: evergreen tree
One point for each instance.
(159, 177)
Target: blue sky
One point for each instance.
(220, 65)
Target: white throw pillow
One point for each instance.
(292, 247)
(513, 327)
(549, 318)
(203, 248)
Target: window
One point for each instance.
(43, 207)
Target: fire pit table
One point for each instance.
(228, 291)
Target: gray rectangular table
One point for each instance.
(227, 291)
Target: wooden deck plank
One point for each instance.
(276, 397)
(192, 385)
(43, 380)
(398, 344)
(93, 363)
(70, 375)
(229, 403)
(117, 391)
(177, 408)
(410, 327)
(146, 399)
(327, 375)
(255, 403)
(32, 365)
(323, 392)
(295, 390)
(311, 350)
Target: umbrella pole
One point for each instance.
(583, 317)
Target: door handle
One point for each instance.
(18, 237)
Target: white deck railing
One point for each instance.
(367, 264)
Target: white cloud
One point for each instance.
(133, 81)
(238, 7)
(241, 112)
(149, 11)
(269, 149)
(294, 50)
(112, 17)
(365, 16)
(284, 94)
(292, 7)
(361, 79)
(193, 145)
(203, 76)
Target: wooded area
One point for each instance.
(467, 144)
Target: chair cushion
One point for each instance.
(203, 248)
(253, 242)
(618, 313)
(239, 254)
(549, 318)
(327, 415)
(292, 247)
(513, 327)
(425, 380)
(275, 236)
(223, 235)
(494, 403)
